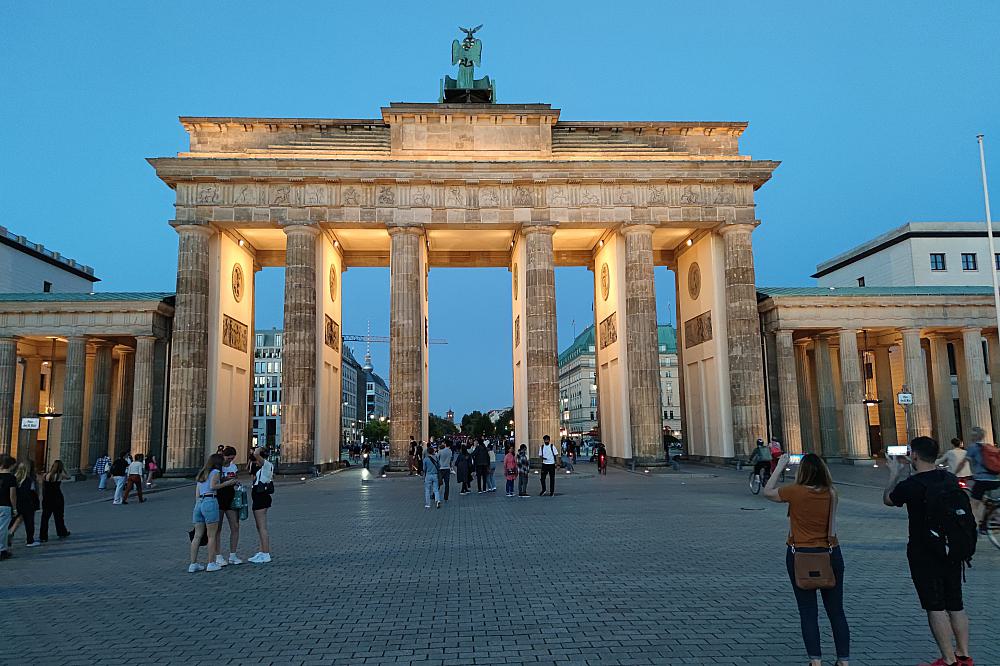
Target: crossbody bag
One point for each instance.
(814, 571)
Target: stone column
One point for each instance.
(100, 406)
(8, 381)
(944, 404)
(406, 330)
(642, 345)
(918, 415)
(71, 434)
(188, 400)
(123, 411)
(886, 396)
(540, 336)
(788, 391)
(746, 383)
(975, 381)
(993, 348)
(829, 431)
(852, 381)
(29, 406)
(142, 394)
(803, 374)
(298, 363)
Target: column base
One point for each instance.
(860, 462)
(181, 472)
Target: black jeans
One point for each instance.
(444, 478)
(481, 472)
(52, 507)
(27, 513)
(522, 483)
(549, 470)
(833, 602)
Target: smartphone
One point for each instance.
(901, 450)
(795, 459)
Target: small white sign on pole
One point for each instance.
(904, 398)
(29, 423)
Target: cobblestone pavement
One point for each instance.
(623, 569)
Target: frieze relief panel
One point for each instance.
(235, 333)
(607, 330)
(698, 330)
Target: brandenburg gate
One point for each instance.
(464, 184)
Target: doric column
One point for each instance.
(886, 397)
(298, 363)
(540, 335)
(853, 390)
(829, 442)
(71, 435)
(918, 415)
(746, 383)
(142, 394)
(406, 330)
(993, 350)
(123, 408)
(29, 406)
(642, 345)
(975, 381)
(8, 380)
(788, 390)
(188, 400)
(803, 374)
(100, 405)
(944, 404)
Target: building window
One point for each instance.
(937, 261)
(861, 281)
(996, 260)
(260, 340)
(277, 341)
(969, 261)
(46, 286)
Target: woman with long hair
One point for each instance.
(262, 471)
(226, 496)
(205, 516)
(27, 500)
(812, 514)
(53, 503)
(151, 468)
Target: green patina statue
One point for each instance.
(466, 88)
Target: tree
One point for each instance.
(503, 428)
(376, 431)
(477, 424)
(440, 427)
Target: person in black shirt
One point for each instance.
(938, 582)
(8, 500)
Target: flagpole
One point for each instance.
(989, 232)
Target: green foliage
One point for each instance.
(503, 428)
(376, 431)
(440, 427)
(477, 424)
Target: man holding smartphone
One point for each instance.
(938, 581)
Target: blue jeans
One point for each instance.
(833, 602)
(431, 486)
(102, 480)
(510, 486)
(490, 483)
(206, 510)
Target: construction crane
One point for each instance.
(368, 339)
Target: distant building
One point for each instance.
(926, 254)
(267, 388)
(353, 395)
(449, 416)
(376, 392)
(578, 383)
(27, 267)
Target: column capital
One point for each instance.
(784, 333)
(802, 342)
(413, 229)
(300, 228)
(186, 227)
(538, 228)
(637, 227)
(936, 335)
(910, 331)
(972, 330)
(746, 227)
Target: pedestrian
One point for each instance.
(225, 496)
(8, 500)
(418, 459)
(119, 472)
(955, 459)
(550, 456)
(570, 456)
(205, 516)
(985, 477)
(523, 470)
(413, 457)
(135, 470)
(151, 469)
(262, 471)
(509, 470)
(102, 469)
(53, 502)
(445, 457)
(27, 499)
(812, 517)
(491, 485)
(429, 465)
(481, 459)
(937, 577)
(462, 465)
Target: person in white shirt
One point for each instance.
(955, 459)
(262, 471)
(549, 455)
(226, 496)
(134, 478)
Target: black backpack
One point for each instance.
(951, 525)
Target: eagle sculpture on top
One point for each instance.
(467, 54)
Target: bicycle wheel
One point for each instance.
(754, 483)
(993, 526)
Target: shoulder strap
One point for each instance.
(829, 522)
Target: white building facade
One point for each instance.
(267, 388)
(27, 267)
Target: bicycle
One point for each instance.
(991, 517)
(758, 480)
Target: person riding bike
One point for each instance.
(602, 457)
(761, 460)
(776, 452)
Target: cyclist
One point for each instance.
(985, 479)
(761, 460)
(776, 452)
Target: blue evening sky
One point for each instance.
(872, 107)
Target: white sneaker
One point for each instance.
(439, 504)
(213, 566)
(33, 544)
(427, 506)
(195, 568)
(234, 560)
(220, 560)
(263, 559)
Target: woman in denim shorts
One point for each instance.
(205, 516)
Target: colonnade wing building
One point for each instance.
(427, 185)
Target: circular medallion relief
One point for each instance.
(333, 283)
(694, 281)
(515, 281)
(605, 281)
(238, 282)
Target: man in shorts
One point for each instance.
(938, 581)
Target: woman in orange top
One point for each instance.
(813, 529)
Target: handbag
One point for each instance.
(204, 537)
(814, 571)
